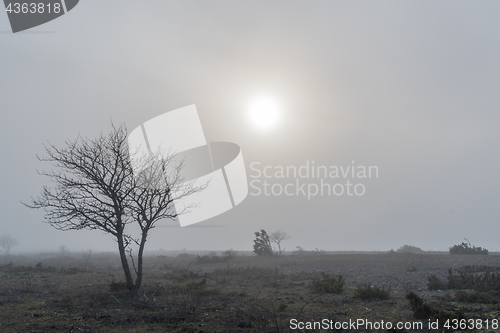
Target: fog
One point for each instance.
(410, 88)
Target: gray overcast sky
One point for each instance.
(411, 87)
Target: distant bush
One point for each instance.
(482, 282)
(467, 248)
(262, 244)
(298, 250)
(485, 282)
(332, 284)
(318, 251)
(492, 297)
(301, 250)
(409, 249)
(367, 292)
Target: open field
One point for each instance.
(242, 293)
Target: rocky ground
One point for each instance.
(242, 293)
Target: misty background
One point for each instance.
(411, 87)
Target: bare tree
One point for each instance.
(7, 243)
(86, 257)
(64, 251)
(153, 195)
(96, 189)
(277, 237)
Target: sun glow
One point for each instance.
(264, 113)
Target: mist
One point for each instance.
(409, 88)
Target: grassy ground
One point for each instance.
(186, 293)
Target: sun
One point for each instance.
(264, 113)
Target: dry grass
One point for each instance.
(242, 293)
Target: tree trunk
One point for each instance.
(138, 280)
(125, 266)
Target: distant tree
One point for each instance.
(96, 189)
(409, 249)
(7, 243)
(277, 237)
(467, 248)
(262, 244)
(64, 251)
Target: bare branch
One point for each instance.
(96, 185)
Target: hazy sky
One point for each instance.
(410, 87)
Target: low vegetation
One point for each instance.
(328, 284)
(467, 248)
(204, 292)
(422, 310)
(489, 297)
(213, 258)
(369, 292)
(482, 282)
(409, 249)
